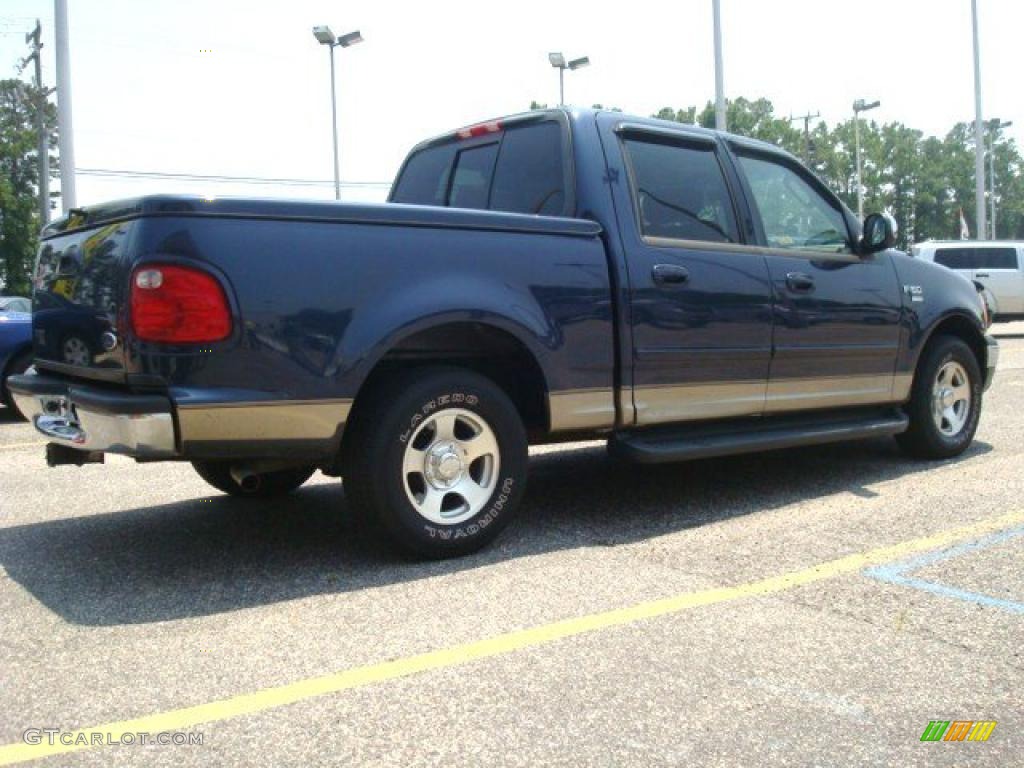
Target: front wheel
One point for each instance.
(945, 402)
(259, 485)
(440, 462)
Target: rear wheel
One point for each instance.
(19, 364)
(440, 462)
(945, 402)
(259, 485)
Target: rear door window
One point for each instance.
(680, 191)
(955, 258)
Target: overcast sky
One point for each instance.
(242, 88)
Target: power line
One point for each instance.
(222, 178)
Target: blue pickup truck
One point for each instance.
(552, 276)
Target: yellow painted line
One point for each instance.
(12, 446)
(250, 703)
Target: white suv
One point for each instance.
(996, 265)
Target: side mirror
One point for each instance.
(879, 233)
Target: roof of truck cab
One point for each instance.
(581, 114)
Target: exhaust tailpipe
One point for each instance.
(247, 480)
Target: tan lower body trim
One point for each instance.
(690, 402)
(283, 420)
(581, 409)
(717, 400)
(902, 383)
(828, 392)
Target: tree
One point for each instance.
(924, 182)
(19, 181)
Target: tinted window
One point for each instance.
(15, 304)
(530, 176)
(995, 258)
(471, 180)
(793, 213)
(680, 192)
(955, 258)
(424, 179)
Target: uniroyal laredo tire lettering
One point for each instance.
(455, 398)
(461, 531)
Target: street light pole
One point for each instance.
(979, 132)
(324, 36)
(719, 75)
(65, 129)
(558, 61)
(860, 106)
(334, 129)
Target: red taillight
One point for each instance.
(178, 305)
(481, 129)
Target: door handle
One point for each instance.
(798, 281)
(982, 274)
(670, 274)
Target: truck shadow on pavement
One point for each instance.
(216, 554)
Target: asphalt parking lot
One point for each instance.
(809, 607)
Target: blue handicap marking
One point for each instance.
(896, 573)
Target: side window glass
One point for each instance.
(530, 175)
(793, 213)
(680, 192)
(955, 258)
(471, 180)
(996, 258)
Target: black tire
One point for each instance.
(19, 364)
(402, 412)
(270, 484)
(925, 439)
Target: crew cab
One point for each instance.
(557, 275)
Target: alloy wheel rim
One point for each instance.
(951, 399)
(450, 466)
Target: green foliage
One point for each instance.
(19, 180)
(922, 181)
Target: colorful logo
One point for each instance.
(958, 730)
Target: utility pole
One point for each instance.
(979, 133)
(65, 136)
(807, 133)
(719, 77)
(35, 39)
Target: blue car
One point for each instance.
(15, 350)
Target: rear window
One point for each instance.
(471, 182)
(523, 171)
(530, 175)
(425, 178)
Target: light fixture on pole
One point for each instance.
(558, 62)
(860, 106)
(325, 36)
(994, 126)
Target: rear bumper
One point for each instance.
(94, 419)
(992, 360)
